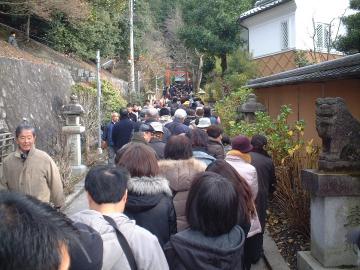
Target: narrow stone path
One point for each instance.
(261, 265)
(78, 204)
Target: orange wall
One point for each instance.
(302, 98)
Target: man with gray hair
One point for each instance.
(31, 171)
(177, 126)
(151, 114)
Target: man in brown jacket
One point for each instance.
(32, 171)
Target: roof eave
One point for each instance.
(325, 70)
(242, 18)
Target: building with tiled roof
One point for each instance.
(300, 87)
(277, 30)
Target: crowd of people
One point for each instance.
(172, 196)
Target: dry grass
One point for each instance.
(290, 195)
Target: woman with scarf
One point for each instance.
(240, 159)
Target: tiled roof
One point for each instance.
(345, 67)
(261, 8)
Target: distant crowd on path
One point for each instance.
(177, 90)
(177, 194)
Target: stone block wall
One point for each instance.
(36, 92)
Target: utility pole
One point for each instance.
(98, 98)
(132, 63)
(156, 86)
(138, 81)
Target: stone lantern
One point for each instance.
(201, 93)
(150, 95)
(247, 110)
(73, 129)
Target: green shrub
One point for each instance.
(290, 154)
(283, 137)
(227, 108)
(111, 100)
(288, 149)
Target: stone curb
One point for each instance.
(78, 189)
(272, 256)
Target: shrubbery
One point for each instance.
(111, 101)
(288, 149)
(227, 109)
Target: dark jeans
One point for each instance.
(253, 250)
(111, 155)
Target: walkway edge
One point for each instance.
(272, 254)
(78, 189)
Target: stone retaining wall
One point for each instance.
(36, 92)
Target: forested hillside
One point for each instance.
(166, 31)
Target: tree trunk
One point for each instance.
(223, 63)
(28, 28)
(199, 73)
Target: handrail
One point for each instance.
(7, 145)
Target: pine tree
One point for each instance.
(350, 43)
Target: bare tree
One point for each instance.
(328, 38)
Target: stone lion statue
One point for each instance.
(340, 134)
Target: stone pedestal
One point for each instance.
(305, 261)
(73, 129)
(335, 209)
(74, 144)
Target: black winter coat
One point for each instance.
(192, 250)
(122, 132)
(158, 146)
(266, 182)
(150, 205)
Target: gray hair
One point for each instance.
(24, 126)
(180, 114)
(152, 113)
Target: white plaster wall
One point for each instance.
(265, 32)
(322, 11)
(265, 29)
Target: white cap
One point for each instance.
(157, 126)
(204, 122)
(180, 113)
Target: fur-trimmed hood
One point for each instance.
(180, 172)
(149, 185)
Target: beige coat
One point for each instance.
(180, 174)
(38, 176)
